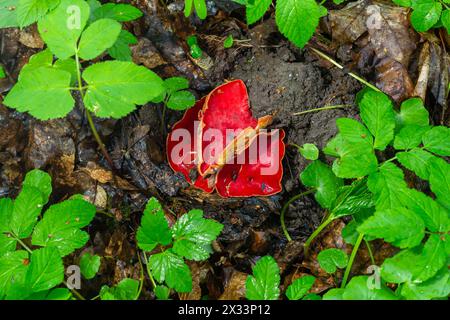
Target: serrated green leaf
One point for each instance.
(437, 140)
(309, 151)
(121, 48)
(416, 160)
(334, 294)
(193, 235)
(68, 65)
(256, 11)
(89, 265)
(426, 14)
(435, 216)
(359, 289)
(410, 136)
(154, 228)
(436, 287)
(6, 211)
(174, 84)
(387, 186)
(116, 87)
(445, 18)
(46, 269)
(331, 259)
(412, 112)
(60, 226)
(40, 180)
(13, 267)
(44, 93)
(66, 22)
(119, 12)
(27, 207)
(8, 13)
(265, 281)
(98, 37)
(30, 11)
(398, 226)
(229, 41)
(354, 199)
(127, 289)
(300, 287)
(440, 180)
(289, 13)
(377, 112)
(318, 175)
(7, 244)
(162, 292)
(181, 100)
(169, 267)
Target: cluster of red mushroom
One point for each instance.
(228, 166)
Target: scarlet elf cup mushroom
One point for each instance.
(219, 145)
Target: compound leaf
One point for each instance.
(265, 281)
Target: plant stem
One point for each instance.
(352, 259)
(316, 232)
(286, 207)
(141, 282)
(338, 106)
(88, 114)
(75, 292)
(369, 249)
(22, 243)
(329, 59)
(148, 271)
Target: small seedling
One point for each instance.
(229, 41)
(189, 238)
(200, 8)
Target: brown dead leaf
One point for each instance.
(235, 287)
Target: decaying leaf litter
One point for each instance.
(373, 40)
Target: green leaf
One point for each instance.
(412, 112)
(60, 226)
(387, 186)
(201, 9)
(8, 13)
(30, 11)
(89, 265)
(127, 289)
(121, 48)
(445, 18)
(7, 243)
(154, 228)
(403, 3)
(410, 136)
(181, 100)
(334, 294)
(175, 84)
(118, 12)
(436, 287)
(228, 43)
(437, 140)
(440, 180)
(193, 235)
(27, 207)
(416, 160)
(354, 199)
(331, 258)
(359, 289)
(426, 14)
(309, 151)
(435, 216)
(98, 37)
(6, 211)
(188, 6)
(318, 175)
(290, 13)
(300, 287)
(377, 112)
(44, 93)
(13, 267)
(256, 11)
(265, 281)
(169, 267)
(116, 87)
(399, 226)
(162, 292)
(68, 65)
(66, 22)
(40, 180)
(46, 270)
(2, 73)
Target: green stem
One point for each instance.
(286, 207)
(338, 106)
(352, 259)
(316, 232)
(141, 282)
(329, 59)
(74, 292)
(369, 249)
(88, 114)
(148, 271)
